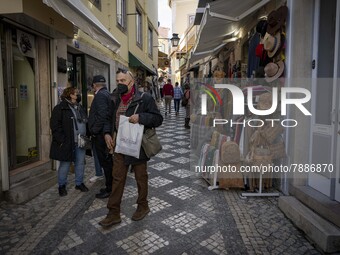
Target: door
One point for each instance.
(19, 59)
(337, 115)
(325, 100)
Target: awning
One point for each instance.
(136, 62)
(163, 60)
(77, 13)
(220, 24)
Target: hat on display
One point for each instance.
(276, 19)
(272, 43)
(98, 79)
(265, 101)
(274, 70)
(261, 27)
(259, 72)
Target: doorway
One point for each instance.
(325, 101)
(19, 70)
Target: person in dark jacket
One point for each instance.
(127, 98)
(68, 121)
(100, 123)
(168, 93)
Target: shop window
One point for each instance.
(121, 14)
(139, 28)
(95, 67)
(97, 4)
(150, 42)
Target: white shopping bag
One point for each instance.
(129, 137)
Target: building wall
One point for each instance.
(142, 53)
(181, 9)
(299, 73)
(180, 14)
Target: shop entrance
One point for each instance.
(20, 65)
(325, 101)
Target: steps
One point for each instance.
(318, 202)
(25, 190)
(323, 233)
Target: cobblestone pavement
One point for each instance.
(185, 217)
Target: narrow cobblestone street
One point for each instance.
(185, 217)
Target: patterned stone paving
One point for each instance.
(159, 182)
(161, 166)
(183, 192)
(181, 173)
(182, 160)
(185, 217)
(156, 205)
(184, 222)
(215, 244)
(70, 241)
(143, 242)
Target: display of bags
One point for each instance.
(129, 137)
(151, 143)
(230, 152)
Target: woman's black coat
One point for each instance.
(62, 146)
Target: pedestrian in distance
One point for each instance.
(187, 107)
(161, 85)
(168, 93)
(68, 122)
(127, 98)
(178, 93)
(100, 123)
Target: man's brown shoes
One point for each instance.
(110, 220)
(140, 213)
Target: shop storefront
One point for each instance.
(42, 52)
(285, 55)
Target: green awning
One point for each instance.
(136, 62)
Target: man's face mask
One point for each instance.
(122, 88)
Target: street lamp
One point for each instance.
(174, 40)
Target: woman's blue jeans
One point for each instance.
(79, 167)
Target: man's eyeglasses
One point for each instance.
(121, 70)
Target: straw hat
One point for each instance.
(265, 101)
(272, 43)
(274, 70)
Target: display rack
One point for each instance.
(259, 193)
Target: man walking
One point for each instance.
(168, 93)
(178, 94)
(126, 100)
(100, 123)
